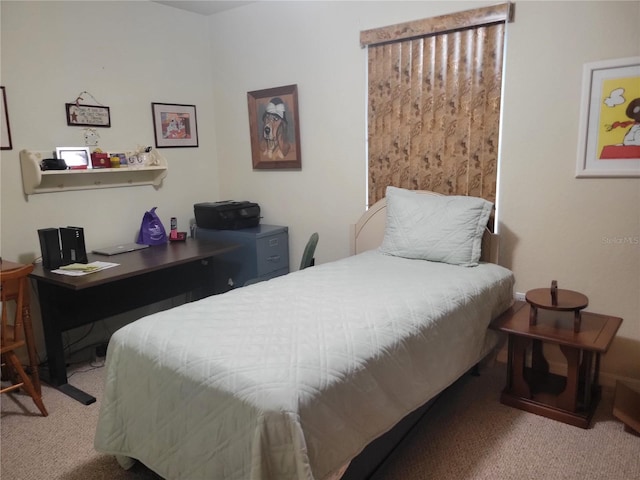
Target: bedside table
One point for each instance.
(571, 399)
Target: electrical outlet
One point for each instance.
(519, 296)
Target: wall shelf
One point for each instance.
(35, 180)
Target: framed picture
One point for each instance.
(87, 115)
(175, 125)
(76, 158)
(274, 127)
(609, 135)
(5, 131)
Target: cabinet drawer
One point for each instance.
(272, 253)
(263, 253)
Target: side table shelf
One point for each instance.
(35, 180)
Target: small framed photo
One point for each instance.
(274, 127)
(609, 134)
(174, 125)
(5, 131)
(87, 115)
(76, 158)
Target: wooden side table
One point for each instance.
(573, 398)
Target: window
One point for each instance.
(434, 98)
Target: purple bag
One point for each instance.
(152, 231)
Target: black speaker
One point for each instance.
(73, 249)
(50, 248)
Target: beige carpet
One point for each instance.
(467, 435)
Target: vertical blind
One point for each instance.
(434, 94)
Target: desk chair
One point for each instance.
(309, 251)
(14, 287)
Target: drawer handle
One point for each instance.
(273, 242)
(274, 258)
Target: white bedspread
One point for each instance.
(291, 378)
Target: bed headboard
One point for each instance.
(368, 233)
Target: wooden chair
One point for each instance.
(14, 287)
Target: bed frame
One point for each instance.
(376, 453)
(368, 233)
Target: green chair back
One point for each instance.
(309, 251)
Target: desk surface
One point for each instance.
(142, 278)
(131, 264)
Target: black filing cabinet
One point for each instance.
(264, 254)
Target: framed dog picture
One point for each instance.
(274, 127)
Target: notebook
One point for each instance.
(116, 249)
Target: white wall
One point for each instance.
(552, 223)
(315, 45)
(127, 55)
(555, 225)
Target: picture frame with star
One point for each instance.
(88, 115)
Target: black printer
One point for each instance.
(227, 215)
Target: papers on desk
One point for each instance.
(80, 269)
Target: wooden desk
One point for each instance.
(143, 277)
(571, 399)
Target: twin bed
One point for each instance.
(293, 377)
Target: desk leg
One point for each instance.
(57, 375)
(77, 394)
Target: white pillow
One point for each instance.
(439, 228)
